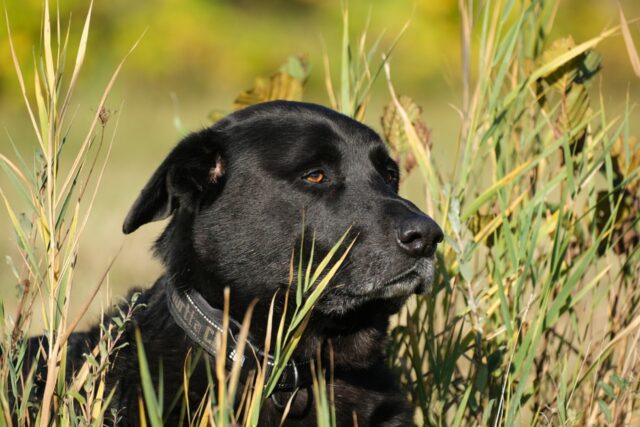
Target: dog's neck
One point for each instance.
(206, 325)
(352, 341)
(357, 351)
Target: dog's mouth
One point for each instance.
(417, 279)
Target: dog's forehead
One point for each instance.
(296, 147)
(295, 133)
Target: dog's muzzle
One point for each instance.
(418, 279)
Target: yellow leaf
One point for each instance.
(286, 84)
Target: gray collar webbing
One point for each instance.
(203, 323)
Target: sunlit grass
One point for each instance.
(59, 202)
(526, 324)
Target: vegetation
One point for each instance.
(534, 318)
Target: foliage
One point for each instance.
(58, 202)
(541, 240)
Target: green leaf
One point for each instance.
(154, 411)
(605, 410)
(607, 389)
(457, 421)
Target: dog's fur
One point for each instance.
(236, 193)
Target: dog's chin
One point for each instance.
(418, 279)
(388, 295)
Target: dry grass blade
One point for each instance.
(572, 53)
(234, 377)
(421, 153)
(75, 242)
(87, 303)
(23, 89)
(48, 54)
(498, 220)
(328, 82)
(96, 118)
(287, 408)
(635, 324)
(628, 40)
(257, 397)
(221, 360)
(82, 50)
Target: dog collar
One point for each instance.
(202, 323)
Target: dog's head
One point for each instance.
(237, 192)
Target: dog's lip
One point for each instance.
(417, 279)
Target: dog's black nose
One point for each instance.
(419, 235)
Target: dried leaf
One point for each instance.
(568, 86)
(394, 131)
(578, 70)
(286, 84)
(626, 159)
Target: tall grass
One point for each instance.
(58, 201)
(535, 314)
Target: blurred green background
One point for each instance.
(196, 56)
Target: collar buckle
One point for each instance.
(284, 391)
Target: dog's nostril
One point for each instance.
(410, 236)
(419, 235)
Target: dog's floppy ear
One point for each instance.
(193, 166)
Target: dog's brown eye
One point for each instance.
(314, 177)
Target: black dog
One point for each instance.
(236, 193)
